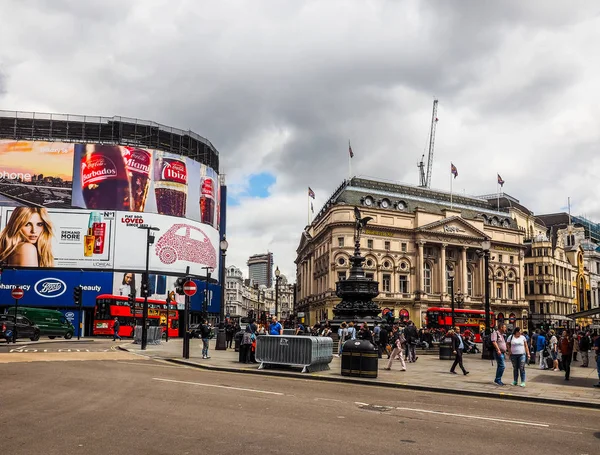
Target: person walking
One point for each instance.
(343, 336)
(519, 355)
(398, 342)
(553, 344)
(499, 343)
(116, 327)
(205, 335)
(457, 349)
(597, 351)
(411, 335)
(540, 348)
(566, 351)
(383, 342)
(229, 333)
(584, 347)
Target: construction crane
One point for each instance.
(425, 178)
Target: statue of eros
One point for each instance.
(360, 224)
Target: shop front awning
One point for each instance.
(586, 314)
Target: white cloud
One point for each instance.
(280, 87)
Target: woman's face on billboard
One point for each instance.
(33, 228)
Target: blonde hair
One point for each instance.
(12, 237)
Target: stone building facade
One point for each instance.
(416, 237)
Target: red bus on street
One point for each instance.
(473, 320)
(110, 306)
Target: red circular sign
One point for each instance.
(189, 288)
(17, 293)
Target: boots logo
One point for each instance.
(50, 288)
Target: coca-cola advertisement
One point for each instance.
(36, 173)
(132, 179)
(177, 244)
(37, 237)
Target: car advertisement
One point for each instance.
(56, 238)
(123, 178)
(178, 243)
(36, 173)
(162, 286)
(53, 288)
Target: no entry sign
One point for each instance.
(17, 293)
(189, 288)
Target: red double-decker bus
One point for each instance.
(110, 306)
(473, 320)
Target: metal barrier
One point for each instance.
(310, 353)
(154, 335)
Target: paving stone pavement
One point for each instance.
(428, 373)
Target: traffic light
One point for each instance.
(77, 295)
(179, 285)
(145, 289)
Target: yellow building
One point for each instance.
(417, 236)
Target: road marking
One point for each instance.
(219, 386)
(426, 411)
(149, 365)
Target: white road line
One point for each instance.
(516, 422)
(149, 365)
(219, 386)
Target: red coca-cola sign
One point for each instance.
(97, 168)
(173, 171)
(208, 188)
(137, 160)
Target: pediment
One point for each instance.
(453, 226)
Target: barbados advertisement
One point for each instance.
(56, 238)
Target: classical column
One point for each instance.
(521, 294)
(421, 265)
(464, 270)
(443, 268)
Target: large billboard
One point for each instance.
(110, 177)
(66, 205)
(178, 244)
(56, 238)
(36, 173)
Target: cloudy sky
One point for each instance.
(281, 86)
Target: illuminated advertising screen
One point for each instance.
(36, 173)
(110, 177)
(65, 205)
(56, 238)
(179, 243)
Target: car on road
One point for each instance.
(25, 328)
(51, 323)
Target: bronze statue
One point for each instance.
(361, 223)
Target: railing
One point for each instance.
(309, 353)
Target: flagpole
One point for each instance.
(349, 162)
(451, 178)
(308, 208)
(498, 195)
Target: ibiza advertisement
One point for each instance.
(112, 177)
(56, 238)
(36, 173)
(178, 244)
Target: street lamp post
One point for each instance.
(205, 302)
(277, 278)
(145, 281)
(486, 245)
(221, 336)
(451, 276)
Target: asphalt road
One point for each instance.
(145, 406)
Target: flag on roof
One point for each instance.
(311, 193)
(453, 170)
(350, 150)
(500, 181)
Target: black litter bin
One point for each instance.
(359, 359)
(446, 349)
(238, 340)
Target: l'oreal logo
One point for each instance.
(50, 288)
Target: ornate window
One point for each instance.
(427, 278)
(387, 279)
(469, 282)
(403, 284)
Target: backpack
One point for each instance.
(487, 343)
